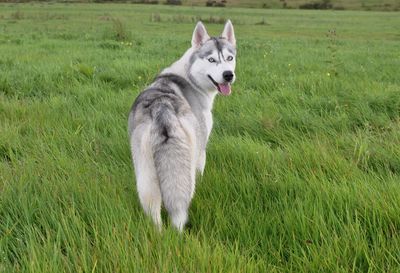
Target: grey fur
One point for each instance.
(168, 134)
(162, 106)
(217, 43)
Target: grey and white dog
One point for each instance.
(170, 122)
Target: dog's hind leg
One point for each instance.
(146, 177)
(201, 162)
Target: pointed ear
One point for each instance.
(199, 35)
(228, 33)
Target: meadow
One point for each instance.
(303, 169)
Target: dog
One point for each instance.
(170, 122)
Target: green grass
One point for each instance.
(303, 170)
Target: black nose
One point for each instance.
(228, 76)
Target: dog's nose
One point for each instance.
(227, 75)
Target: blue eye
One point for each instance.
(230, 58)
(211, 60)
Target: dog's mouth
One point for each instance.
(223, 88)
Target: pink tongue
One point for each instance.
(225, 88)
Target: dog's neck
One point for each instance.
(180, 68)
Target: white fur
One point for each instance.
(199, 35)
(228, 33)
(146, 176)
(186, 124)
(148, 185)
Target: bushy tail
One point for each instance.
(172, 153)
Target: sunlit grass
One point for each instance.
(303, 165)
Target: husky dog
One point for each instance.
(170, 122)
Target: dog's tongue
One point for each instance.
(225, 88)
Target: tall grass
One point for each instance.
(303, 165)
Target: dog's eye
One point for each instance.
(230, 58)
(211, 60)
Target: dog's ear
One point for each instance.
(199, 35)
(228, 33)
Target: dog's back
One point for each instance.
(163, 141)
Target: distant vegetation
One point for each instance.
(389, 5)
(381, 5)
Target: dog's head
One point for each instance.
(212, 64)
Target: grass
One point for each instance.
(303, 170)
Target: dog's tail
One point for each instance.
(173, 153)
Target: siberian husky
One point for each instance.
(170, 122)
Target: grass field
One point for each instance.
(303, 170)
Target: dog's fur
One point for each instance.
(170, 122)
